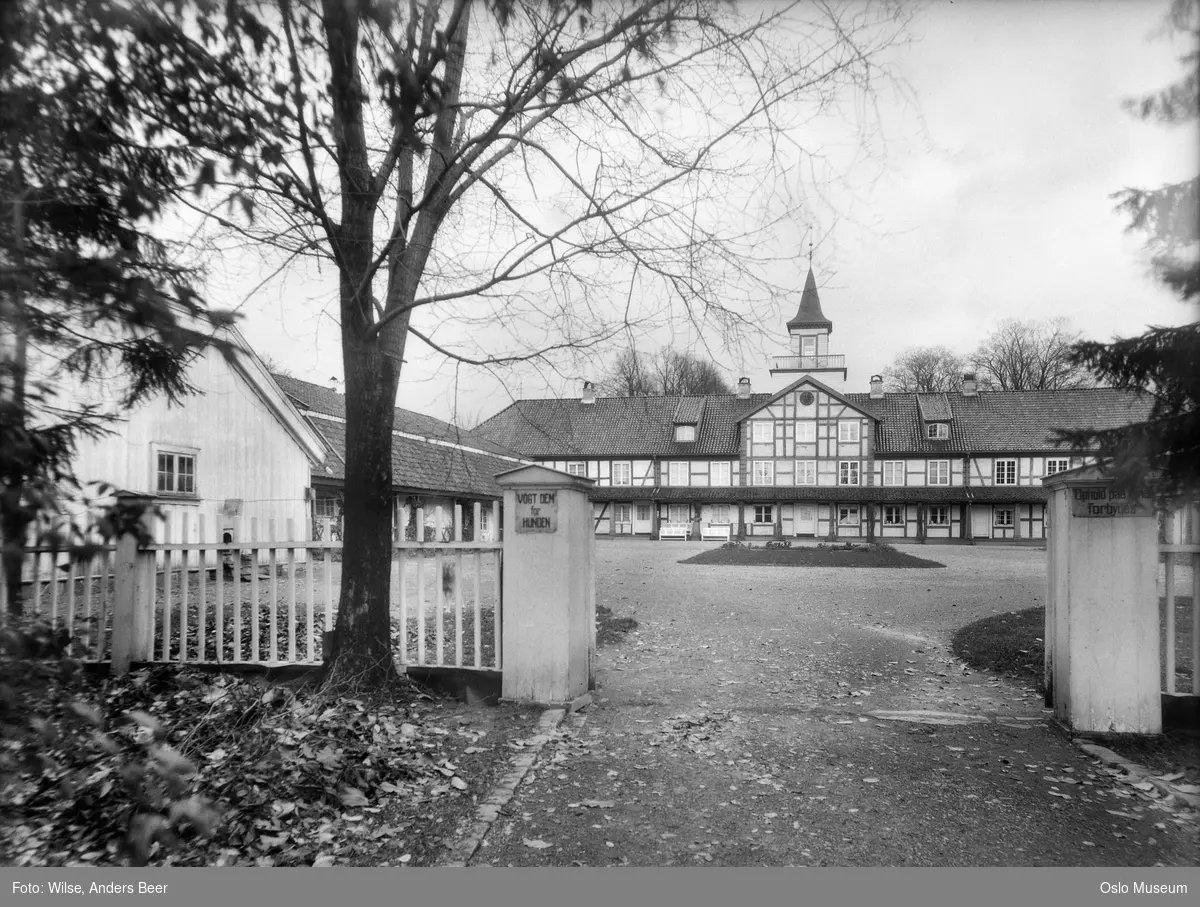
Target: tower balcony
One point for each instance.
(807, 363)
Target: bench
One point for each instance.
(673, 531)
(716, 533)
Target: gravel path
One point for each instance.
(763, 716)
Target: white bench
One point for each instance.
(673, 531)
(716, 533)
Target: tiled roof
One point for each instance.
(934, 407)
(315, 398)
(1001, 421)
(689, 411)
(809, 315)
(419, 465)
(617, 427)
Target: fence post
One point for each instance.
(133, 605)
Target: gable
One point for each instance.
(792, 399)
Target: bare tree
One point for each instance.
(634, 374)
(925, 369)
(684, 373)
(474, 172)
(628, 376)
(1031, 355)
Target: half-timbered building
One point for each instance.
(814, 460)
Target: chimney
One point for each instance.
(589, 392)
(743, 388)
(970, 387)
(876, 387)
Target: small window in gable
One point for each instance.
(937, 431)
(176, 473)
(685, 433)
(848, 431)
(763, 432)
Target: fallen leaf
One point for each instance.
(458, 783)
(599, 804)
(352, 796)
(871, 780)
(535, 843)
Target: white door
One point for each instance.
(806, 519)
(981, 522)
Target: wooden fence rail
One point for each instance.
(1179, 553)
(267, 601)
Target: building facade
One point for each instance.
(436, 466)
(814, 460)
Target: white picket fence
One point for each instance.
(1179, 581)
(269, 601)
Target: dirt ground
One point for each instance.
(815, 716)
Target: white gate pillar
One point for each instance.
(1102, 623)
(549, 589)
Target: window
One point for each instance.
(806, 472)
(893, 472)
(643, 513)
(764, 513)
(326, 508)
(764, 472)
(893, 515)
(718, 472)
(677, 472)
(1003, 516)
(578, 468)
(939, 515)
(847, 516)
(764, 432)
(806, 432)
(720, 513)
(808, 346)
(848, 431)
(939, 472)
(621, 513)
(1006, 472)
(679, 513)
(937, 431)
(622, 474)
(685, 433)
(848, 472)
(176, 473)
(1057, 464)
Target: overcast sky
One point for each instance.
(988, 197)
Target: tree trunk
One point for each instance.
(362, 649)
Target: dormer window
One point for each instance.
(937, 431)
(685, 433)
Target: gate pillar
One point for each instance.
(1102, 623)
(549, 588)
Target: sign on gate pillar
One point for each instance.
(1102, 623)
(549, 589)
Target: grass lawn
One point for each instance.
(870, 555)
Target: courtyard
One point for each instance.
(761, 715)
